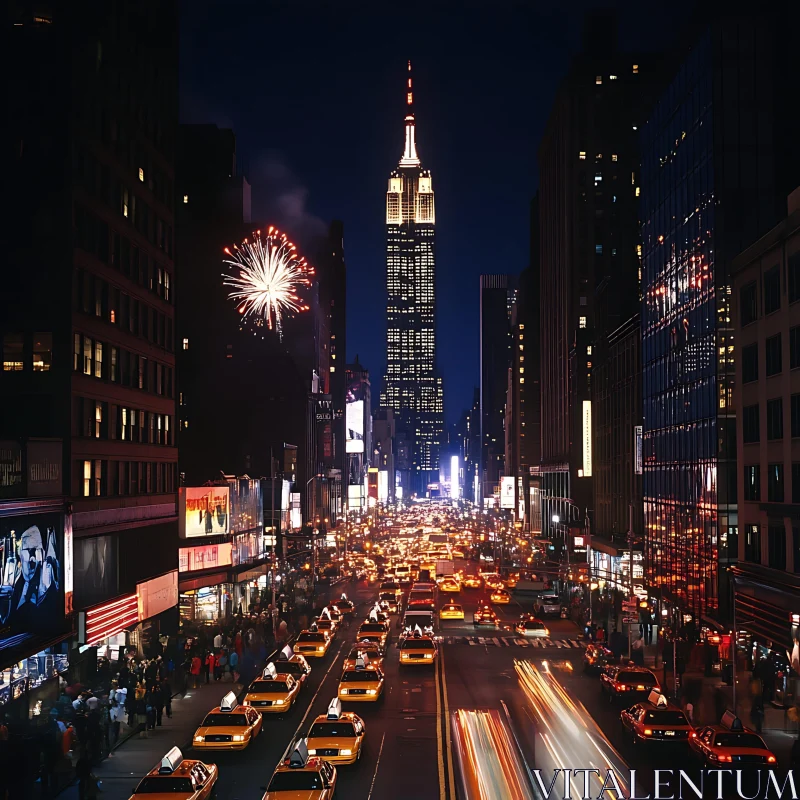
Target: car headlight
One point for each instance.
(342, 691)
(312, 752)
(238, 737)
(199, 738)
(346, 752)
(404, 656)
(279, 702)
(320, 648)
(372, 691)
(428, 655)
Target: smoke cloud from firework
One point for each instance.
(265, 276)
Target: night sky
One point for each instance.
(315, 94)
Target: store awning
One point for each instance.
(213, 579)
(614, 547)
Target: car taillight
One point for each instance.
(620, 687)
(770, 759)
(693, 735)
(648, 732)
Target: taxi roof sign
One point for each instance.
(299, 756)
(170, 761)
(373, 616)
(344, 596)
(731, 721)
(228, 702)
(335, 708)
(657, 699)
(362, 661)
(326, 613)
(285, 654)
(269, 672)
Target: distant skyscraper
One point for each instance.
(412, 387)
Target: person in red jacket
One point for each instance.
(210, 660)
(195, 669)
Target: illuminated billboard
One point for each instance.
(355, 496)
(383, 486)
(204, 510)
(354, 426)
(507, 496)
(587, 439)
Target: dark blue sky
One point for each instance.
(314, 93)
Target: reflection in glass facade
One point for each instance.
(680, 332)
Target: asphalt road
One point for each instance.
(401, 754)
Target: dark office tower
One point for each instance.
(716, 158)
(240, 396)
(87, 304)
(412, 386)
(335, 282)
(497, 299)
(589, 160)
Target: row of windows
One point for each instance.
(773, 351)
(108, 362)
(775, 483)
(115, 249)
(97, 297)
(776, 546)
(22, 352)
(96, 419)
(770, 291)
(101, 478)
(751, 420)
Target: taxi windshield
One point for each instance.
(224, 720)
(417, 644)
(530, 625)
(331, 730)
(452, 608)
(311, 637)
(294, 781)
(636, 677)
(388, 596)
(289, 668)
(738, 740)
(372, 627)
(269, 687)
(372, 652)
(360, 675)
(666, 717)
(158, 785)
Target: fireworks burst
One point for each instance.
(265, 276)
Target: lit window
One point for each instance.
(637, 191)
(636, 127)
(185, 344)
(588, 364)
(598, 80)
(613, 156)
(612, 77)
(87, 478)
(582, 155)
(333, 369)
(12, 352)
(185, 199)
(635, 69)
(582, 322)
(141, 174)
(598, 249)
(124, 202)
(588, 349)
(42, 351)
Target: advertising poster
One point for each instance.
(587, 439)
(32, 578)
(354, 426)
(209, 556)
(507, 496)
(204, 510)
(637, 449)
(383, 486)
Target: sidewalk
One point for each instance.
(134, 758)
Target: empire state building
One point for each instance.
(411, 386)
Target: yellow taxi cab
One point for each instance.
(326, 625)
(530, 626)
(333, 612)
(176, 775)
(300, 777)
(337, 735)
(229, 726)
(346, 606)
(372, 649)
(312, 643)
(511, 580)
(362, 684)
(293, 664)
(373, 632)
(500, 597)
(450, 584)
(389, 602)
(451, 611)
(656, 720)
(484, 615)
(272, 693)
(418, 649)
(472, 582)
(730, 742)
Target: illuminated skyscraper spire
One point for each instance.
(410, 158)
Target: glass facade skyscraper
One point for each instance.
(412, 387)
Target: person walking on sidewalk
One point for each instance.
(157, 698)
(166, 697)
(195, 669)
(140, 717)
(637, 651)
(209, 666)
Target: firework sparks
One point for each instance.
(265, 277)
